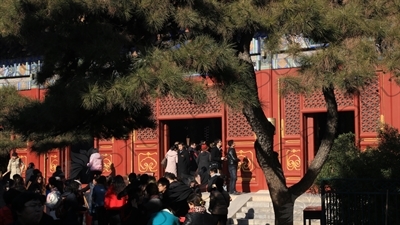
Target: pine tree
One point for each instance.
(10, 100)
(113, 57)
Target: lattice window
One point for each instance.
(370, 107)
(148, 133)
(317, 100)
(237, 125)
(343, 99)
(171, 106)
(292, 114)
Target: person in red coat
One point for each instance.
(112, 204)
(5, 211)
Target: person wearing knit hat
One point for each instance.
(203, 164)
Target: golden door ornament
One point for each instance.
(107, 161)
(147, 163)
(53, 163)
(246, 158)
(293, 161)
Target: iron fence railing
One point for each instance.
(360, 201)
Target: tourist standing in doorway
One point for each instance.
(172, 160)
(232, 167)
(216, 155)
(193, 154)
(203, 162)
(183, 163)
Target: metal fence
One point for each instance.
(360, 201)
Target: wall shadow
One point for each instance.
(246, 175)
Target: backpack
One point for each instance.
(53, 199)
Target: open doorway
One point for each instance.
(191, 130)
(315, 124)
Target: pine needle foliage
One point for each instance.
(10, 100)
(112, 58)
(359, 37)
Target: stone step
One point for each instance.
(251, 222)
(265, 222)
(246, 209)
(302, 198)
(267, 207)
(258, 209)
(259, 204)
(261, 198)
(265, 216)
(256, 204)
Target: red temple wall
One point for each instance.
(144, 149)
(47, 163)
(389, 100)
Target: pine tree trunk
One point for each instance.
(267, 158)
(284, 210)
(283, 198)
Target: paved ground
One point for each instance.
(302, 202)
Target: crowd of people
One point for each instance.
(174, 199)
(194, 162)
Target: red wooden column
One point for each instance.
(310, 148)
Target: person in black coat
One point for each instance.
(131, 189)
(183, 162)
(214, 175)
(193, 154)
(216, 155)
(232, 167)
(219, 202)
(203, 161)
(177, 194)
(197, 214)
(73, 203)
(29, 172)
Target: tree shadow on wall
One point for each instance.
(80, 154)
(246, 174)
(113, 171)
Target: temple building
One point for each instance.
(299, 121)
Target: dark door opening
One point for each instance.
(194, 130)
(316, 125)
(345, 125)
